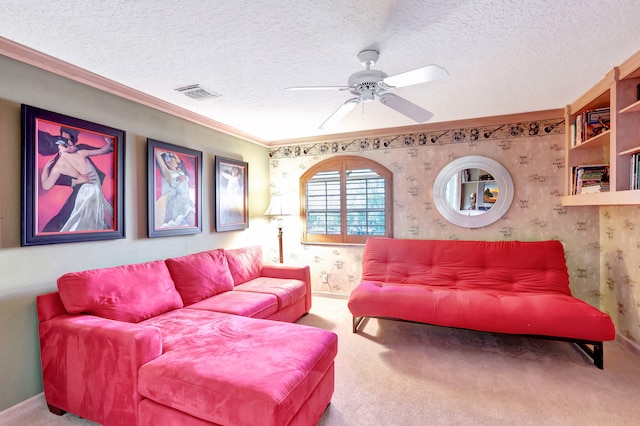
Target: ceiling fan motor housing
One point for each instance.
(366, 84)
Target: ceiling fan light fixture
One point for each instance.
(368, 96)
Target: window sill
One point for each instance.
(316, 243)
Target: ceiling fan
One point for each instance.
(369, 84)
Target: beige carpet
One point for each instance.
(396, 373)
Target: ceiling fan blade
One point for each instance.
(318, 88)
(403, 106)
(420, 75)
(340, 113)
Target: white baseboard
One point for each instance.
(330, 295)
(12, 413)
(628, 343)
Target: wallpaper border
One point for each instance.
(460, 135)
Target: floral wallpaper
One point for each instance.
(620, 269)
(533, 153)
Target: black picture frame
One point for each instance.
(231, 194)
(174, 175)
(72, 179)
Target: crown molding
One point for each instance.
(64, 69)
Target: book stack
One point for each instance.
(590, 178)
(590, 124)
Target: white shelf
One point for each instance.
(634, 107)
(597, 141)
(612, 198)
(630, 151)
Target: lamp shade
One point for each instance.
(278, 207)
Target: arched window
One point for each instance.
(346, 199)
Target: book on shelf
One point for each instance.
(589, 124)
(590, 188)
(577, 130)
(590, 178)
(637, 177)
(594, 128)
(634, 171)
(599, 114)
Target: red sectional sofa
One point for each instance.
(511, 287)
(203, 339)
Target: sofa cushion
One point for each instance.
(254, 305)
(287, 291)
(541, 314)
(200, 275)
(532, 266)
(125, 293)
(245, 263)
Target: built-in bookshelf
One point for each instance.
(603, 128)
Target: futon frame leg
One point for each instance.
(356, 322)
(597, 353)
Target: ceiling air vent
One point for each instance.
(195, 91)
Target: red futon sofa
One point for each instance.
(203, 339)
(511, 287)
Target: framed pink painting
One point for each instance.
(174, 190)
(72, 179)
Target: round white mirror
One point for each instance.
(473, 191)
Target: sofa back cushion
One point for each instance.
(200, 275)
(128, 293)
(245, 263)
(531, 266)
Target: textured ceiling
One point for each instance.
(503, 57)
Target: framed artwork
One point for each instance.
(231, 193)
(490, 193)
(174, 190)
(72, 179)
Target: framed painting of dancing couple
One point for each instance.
(72, 179)
(174, 190)
(231, 192)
